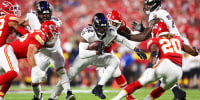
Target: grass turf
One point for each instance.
(17, 93)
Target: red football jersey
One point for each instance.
(110, 47)
(20, 46)
(170, 48)
(5, 29)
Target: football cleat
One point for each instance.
(97, 91)
(70, 96)
(130, 97)
(179, 94)
(34, 98)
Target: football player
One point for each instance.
(51, 54)
(156, 14)
(24, 47)
(103, 56)
(116, 21)
(167, 48)
(9, 13)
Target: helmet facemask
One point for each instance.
(151, 5)
(44, 11)
(115, 23)
(10, 7)
(16, 10)
(100, 24)
(114, 18)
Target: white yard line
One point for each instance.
(74, 91)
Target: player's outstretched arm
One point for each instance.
(32, 49)
(190, 50)
(154, 55)
(145, 32)
(18, 27)
(83, 49)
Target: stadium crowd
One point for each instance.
(76, 13)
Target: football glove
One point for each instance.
(138, 27)
(101, 47)
(141, 54)
(196, 51)
(37, 71)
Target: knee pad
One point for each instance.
(35, 78)
(61, 71)
(117, 72)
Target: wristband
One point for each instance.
(150, 65)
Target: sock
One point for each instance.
(132, 87)
(37, 91)
(10, 75)
(121, 81)
(157, 92)
(57, 91)
(120, 95)
(64, 80)
(5, 87)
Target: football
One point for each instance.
(94, 45)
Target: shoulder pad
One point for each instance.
(87, 33)
(32, 11)
(57, 21)
(111, 29)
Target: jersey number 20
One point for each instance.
(170, 46)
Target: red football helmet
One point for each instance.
(50, 29)
(114, 18)
(10, 7)
(160, 28)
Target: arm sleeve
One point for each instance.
(83, 52)
(130, 44)
(21, 30)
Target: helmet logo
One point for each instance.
(52, 27)
(96, 19)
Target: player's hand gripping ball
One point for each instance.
(97, 45)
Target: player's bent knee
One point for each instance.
(12, 74)
(117, 73)
(61, 71)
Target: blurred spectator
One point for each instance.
(186, 71)
(194, 63)
(75, 13)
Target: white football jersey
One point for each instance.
(165, 16)
(90, 35)
(34, 23)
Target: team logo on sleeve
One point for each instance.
(83, 32)
(154, 16)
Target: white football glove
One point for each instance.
(37, 71)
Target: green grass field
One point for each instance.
(17, 93)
